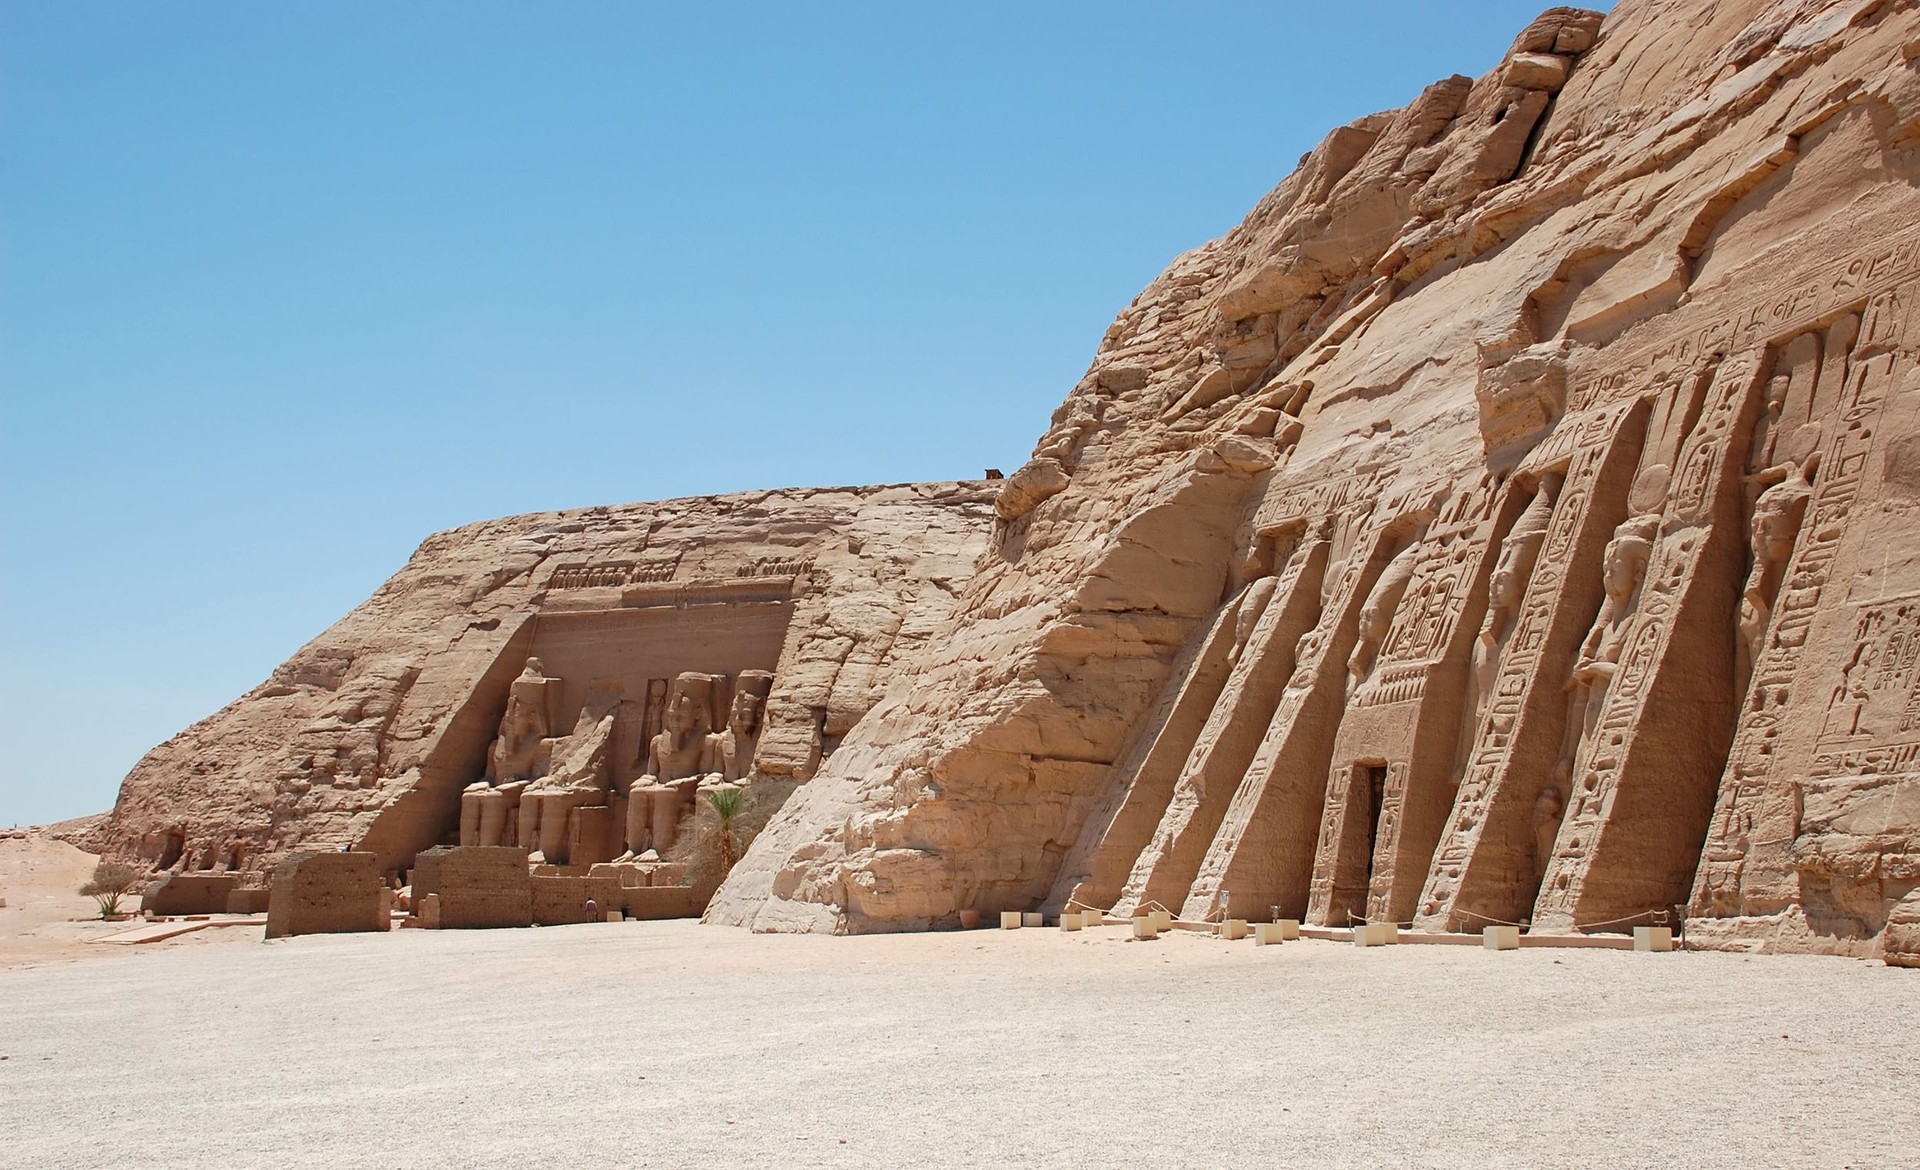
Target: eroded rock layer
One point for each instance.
(1517, 518)
(540, 660)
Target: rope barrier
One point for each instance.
(1659, 918)
(1495, 921)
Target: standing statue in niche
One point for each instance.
(1547, 810)
(1376, 616)
(1777, 516)
(1624, 568)
(675, 758)
(1507, 588)
(1766, 429)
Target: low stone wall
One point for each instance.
(327, 893)
(559, 901)
(189, 893)
(477, 886)
(249, 900)
(653, 902)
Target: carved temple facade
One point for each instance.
(1515, 520)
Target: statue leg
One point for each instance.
(554, 807)
(470, 806)
(639, 819)
(529, 826)
(493, 819)
(668, 806)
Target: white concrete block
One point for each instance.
(1501, 938)
(1162, 919)
(1091, 918)
(1653, 938)
(1144, 927)
(1289, 928)
(1269, 934)
(1233, 929)
(1009, 920)
(1376, 934)
(1071, 920)
(1032, 919)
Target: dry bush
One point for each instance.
(110, 882)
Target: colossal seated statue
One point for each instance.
(580, 775)
(523, 728)
(489, 808)
(730, 753)
(676, 759)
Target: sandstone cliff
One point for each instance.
(1516, 518)
(368, 735)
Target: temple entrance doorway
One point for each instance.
(1373, 778)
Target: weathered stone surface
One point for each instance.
(1515, 519)
(327, 893)
(1574, 581)
(372, 732)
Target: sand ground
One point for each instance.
(678, 1045)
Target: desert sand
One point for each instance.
(672, 1044)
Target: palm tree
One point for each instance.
(727, 804)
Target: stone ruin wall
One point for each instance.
(1517, 518)
(369, 736)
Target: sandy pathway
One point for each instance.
(675, 1045)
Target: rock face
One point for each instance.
(1517, 518)
(372, 733)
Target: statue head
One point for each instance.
(1549, 803)
(1627, 555)
(744, 719)
(534, 669)
(683, 715)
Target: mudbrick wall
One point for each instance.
(1516, 518)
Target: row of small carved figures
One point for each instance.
(642, 573)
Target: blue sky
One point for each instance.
(286, 287)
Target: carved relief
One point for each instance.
(1482, 869)
(1758, 801)
(614, 574)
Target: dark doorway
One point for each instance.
(1374, 776)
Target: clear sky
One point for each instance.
(286, 287)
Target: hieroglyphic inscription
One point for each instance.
(1424, 622)
(1580, 444)
(612, 574)
(779, 567)
(1842, 467)
(1711, 455)
(1335, 496)
(1872, 721)
(1758, 321)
